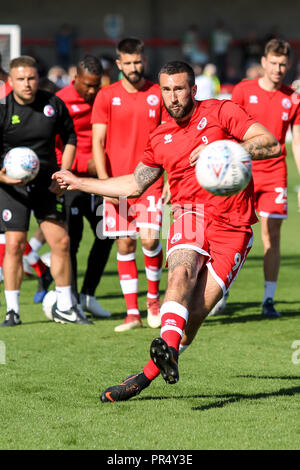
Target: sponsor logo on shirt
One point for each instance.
(253, 99)
(75, 108)
(202, 124)
(285, 116)
(286, 103)
(49, 110)
(15, 119)
(152, 100)
(116, 101)
(168, 138)
(152, 113)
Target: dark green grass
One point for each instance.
(238, 388)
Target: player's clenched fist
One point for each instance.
(65, 179)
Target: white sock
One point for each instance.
(12, 300)
(64, 298)
(182, 348)
(35, 244)
(270, 288)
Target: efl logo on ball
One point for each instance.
(224, 168)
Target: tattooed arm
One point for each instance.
(260, 143)
(131, 186)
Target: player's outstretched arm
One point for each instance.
(131, 186)
(260, 143)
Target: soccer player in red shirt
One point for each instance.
(275, 106)
(210, 236)
(79, 97)
(123, 116)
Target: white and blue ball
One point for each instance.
(224, 168)
(21, 163)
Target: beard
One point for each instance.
(134, 77)
(182, 111)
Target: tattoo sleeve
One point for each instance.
(262, 147)
(145, 176)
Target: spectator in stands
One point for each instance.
(252, 50)
(210, 70)
(254, 71)
(59, 76)
(205, 86)
(193, 49)
(64, 45)
(108, 66)
(220, 41)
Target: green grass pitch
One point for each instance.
(239, 387)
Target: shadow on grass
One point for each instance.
(228, 398)
(233, 307)
(254, 261)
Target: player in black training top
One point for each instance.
(32, 118)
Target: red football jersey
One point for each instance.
(5, 89)
(276, 110)
(171, 144)
(130, 117)
(80, 112)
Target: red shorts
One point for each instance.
(225, 247)
(126, 218)
(80, 165)
(270, 191)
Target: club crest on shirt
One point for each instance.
(49, 110)
(202, 124)
(152, 100)
(110, 222)
(6, 215)
(286, 103)
(176, 237)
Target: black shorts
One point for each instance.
(17, 203)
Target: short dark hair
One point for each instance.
(23, 61)
(277, 47)
(176, 66)
(130, 45)
(90, 64)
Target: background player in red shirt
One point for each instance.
(124, 114)
(79, 97)
(276, 106)
(210, 237)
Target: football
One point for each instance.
(48, 302)
(224, 168)
(21, 163)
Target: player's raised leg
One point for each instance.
(184, 267)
